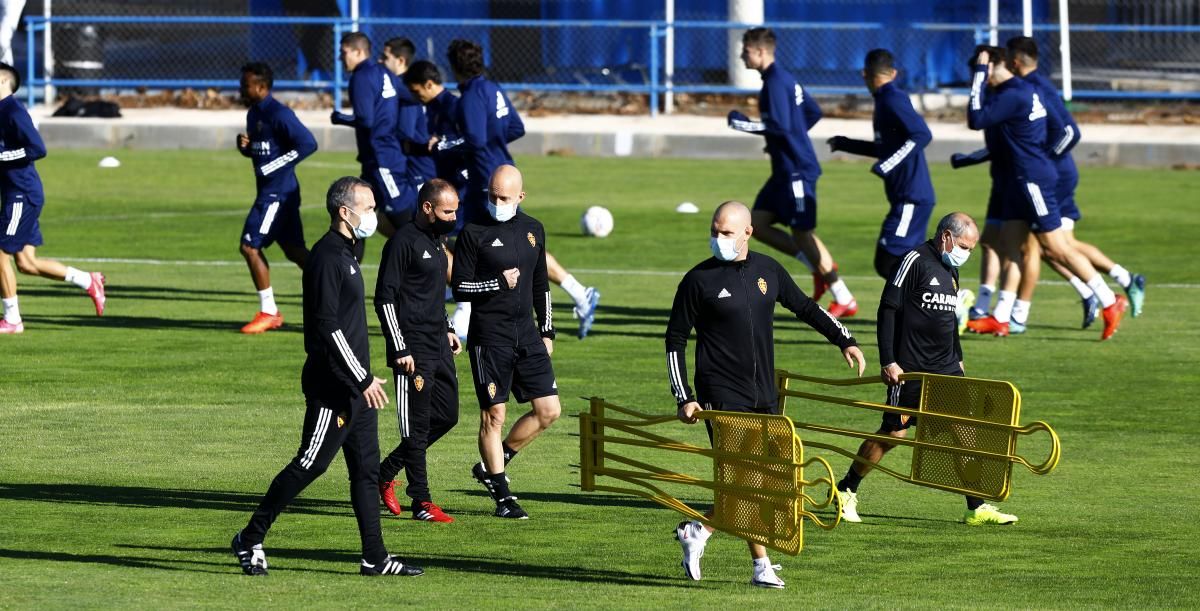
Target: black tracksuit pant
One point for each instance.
(426, 409)
(330, 424)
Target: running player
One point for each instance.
(488, 122)
(413, 129)
(901, 136)
(1016, 108)
(21, 188)
(276, 142)
(373, 98)
(789, 197)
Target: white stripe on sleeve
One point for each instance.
(905, 265)
(356, 368)
(897, 157)
(1068, 135)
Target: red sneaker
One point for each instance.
(263, 322)
(1112, 316)
(819, 284)
(387, 493)
(96, 292)
(429, 512)
(986, 325)
(838, 310)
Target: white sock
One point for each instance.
(1120, 275)
(1082, 288)
(1004, 306)
(1020, 311)
(79, 278)
(12, 313)
(577, 291)
(1105, 294)
(762, 564)
(803, 259)
(266, 301)
(983, 300)
(841, 294)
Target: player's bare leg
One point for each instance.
(492, 451)
(1058, 249)
(295, 253)
(1010, 246)
(11, 324)
(92, 282)
(1087, 297)
(1030, 272)
(385, 225)
(812, 247)
(586, 298)
(543, 413)
(989, 270)
(268, 316)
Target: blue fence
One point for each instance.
(594, 56)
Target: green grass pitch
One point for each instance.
(136, 444)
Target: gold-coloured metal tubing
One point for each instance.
(1055, 448)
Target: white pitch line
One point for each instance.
(607, 272)
(152, 215)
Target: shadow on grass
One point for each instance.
(484, 565)
(137, 496)
(125, 292)
(144, 322)
(577, 498)
(134, 562)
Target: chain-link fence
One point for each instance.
(109, 52)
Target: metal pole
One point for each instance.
(337, 65)
(1027, 17)
(47, 57)
(654, 70)
(993, 21)
(30, 66)
(354, 15)
(1064, 28)
(669, 99)
(742, 11)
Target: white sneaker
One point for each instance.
(460, 320)
(692, 539)
(765, 577)
(849, 506)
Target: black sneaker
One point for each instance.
(390, 566)
(481, 475)
(508, 508)
(253, 559)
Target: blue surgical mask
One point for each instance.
(366, 224)
(502, 212)
(956, 257)
(724, 249)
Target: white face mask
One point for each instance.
(366, 224)
(724, 249)
(956, 257)
(501, 212)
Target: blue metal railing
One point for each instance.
(812, 45)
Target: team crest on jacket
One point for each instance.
(762, 286)
(418, 383)
(532, 240)
(492, 390)
(341, 420)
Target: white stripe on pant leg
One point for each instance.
(798, 194)
(906, 213)
(318, 437)
(16, 219)
(402, 404)
(389, 182)
(268, 218)
(1039, 204)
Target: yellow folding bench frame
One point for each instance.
(967, 431)
(758, 482)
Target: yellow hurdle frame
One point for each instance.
(966, 437)
(758, 471)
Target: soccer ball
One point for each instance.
(596, 221)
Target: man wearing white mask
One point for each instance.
(918, 333)
(500, 269)
(729, 299)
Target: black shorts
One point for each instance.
(525, 371)
(906, 395)
(741, 409)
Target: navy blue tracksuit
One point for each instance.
(1017, 148)
(487, 122)
(20, 185)
(1062, 134)
(278, 142)
(373, 92)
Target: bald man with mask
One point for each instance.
(729, 299)
(500, 269)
